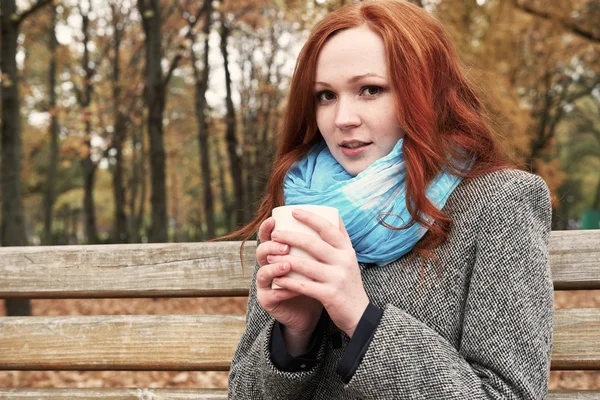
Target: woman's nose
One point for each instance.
(346, 115)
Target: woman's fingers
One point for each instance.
(276, 242)
(268, 298)
(267, 273)
(265, 229)
(267, 246)
(317, 248)
(270, 247)
(303, 286)
(329, 232)
(304, 266)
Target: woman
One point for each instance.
(436, 284)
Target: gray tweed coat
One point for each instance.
(483, 330)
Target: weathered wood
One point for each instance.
(575, 259)
(574, 395)
(187, 394)
(148, 270)
(576, 342)
(123, 342)
(112, 394)
(205, 269)
(201, 342)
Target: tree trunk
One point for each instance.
(233, 148)
(89, 167)
(250, 97)
(551, 113)
(50, 194)
(13, 216)
(175, 210)
(137, 181)
(560, 218)
(272, 144)
(139, 218)
(72, 235)
(251, 163)
(227, 208)
(270, 102)
(155, 101)
(89, 177)
(203, 131)
(263, 155)
(134, 183)
(121, 234)
(120, 228)
(596, 203)
(199, 235)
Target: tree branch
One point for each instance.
(585, 91)
(176, 59)
(77, 93)
(102, 55)
(33, 9)
(565, 22)
(181, 47)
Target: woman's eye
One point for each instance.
(371, 90)
(325, 96)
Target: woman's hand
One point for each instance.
(336, 279)
(299, 314)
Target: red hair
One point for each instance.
(444, 119)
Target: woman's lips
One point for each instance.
(354, 152)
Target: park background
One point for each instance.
(154, 121)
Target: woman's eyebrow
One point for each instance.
(354, 78)
(367, 75)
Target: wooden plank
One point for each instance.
(112, 394)
(201, 342)
(575, 259)
(205, 269)
(123, 342)
(574, 395)
(186, 394)
(134, 270)
(576, 343)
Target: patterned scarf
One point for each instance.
(377, 193)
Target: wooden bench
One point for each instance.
(201, 342)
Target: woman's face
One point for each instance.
(355, 101)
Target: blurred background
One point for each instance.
(153, 121)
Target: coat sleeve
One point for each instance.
(253, 375)
(506, 342)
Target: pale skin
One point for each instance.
(336, 282)
(355, 102)
(355, 99)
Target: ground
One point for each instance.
(566, 380)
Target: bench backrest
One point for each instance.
(202, 342)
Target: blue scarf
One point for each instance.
(319, 179)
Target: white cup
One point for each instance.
(285, 221)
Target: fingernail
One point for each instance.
(282, 267)
(274, 234)
(283, 248)
(270, 259)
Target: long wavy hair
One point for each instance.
(444, 120)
